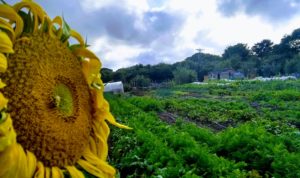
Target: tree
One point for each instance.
(293, 65)
(184, 75)
(140, 81)
(239, 49)
(106, 75)
(161, 72)
(263, 48)
(289, 45)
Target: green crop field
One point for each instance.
(238, 129)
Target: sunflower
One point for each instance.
(53, 116)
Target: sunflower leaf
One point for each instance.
(86, 44)
(74, 46)
(45, 26)
(28, 21)
(65, 31)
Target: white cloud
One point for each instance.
(133, 5)
(203, 27)
(115, 55)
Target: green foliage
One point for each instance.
(241, 129)
(184, 75)
(262, 59)
(260, 150)
(146, 103)
(106, 75)
(140, 81)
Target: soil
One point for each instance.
(170, 118)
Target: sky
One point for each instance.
(127, 32)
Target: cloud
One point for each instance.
(127, 32)
(124, 33)
(272, 10)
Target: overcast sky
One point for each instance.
(127, 32)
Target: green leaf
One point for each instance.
(74, 46)
(45, 26)
(86, 44)
(28, 21)
(65, 31)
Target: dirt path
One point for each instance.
(170, 118)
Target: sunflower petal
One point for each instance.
(2, 85)
(91, 71)
(40, 172)
(3, 101)
(31, 163)
(8, 167)
(87, 166)
(102, 147)
(7, 27)
(47, 172)
(52, 31)
(92, 145)
(57, 173)
(6, 45)
(77, 36)
(3, 63)
(10, 14)
(7, 133)
(101, 131)
(21, 160)
(83, 52)
(110, 118)
(74, 172)
(38, 12)
(90, 65)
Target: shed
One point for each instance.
(114, 87)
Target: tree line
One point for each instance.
(262, 59)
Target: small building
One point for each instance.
(238, 76)
(228, 74)
(114, 87)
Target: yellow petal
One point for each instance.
(21, 160)
(10, 14)
(31, 163)
(7, 26)
(91, 69)
(6, 45)
(110, 118)
(90, 65)
(101, 131)
(57, 20)
(87, 166)
(92, 145)
(38, 12)
(6, 157)
(7, 133)
(40, 172)
(102, 147)
(57, 173)
(47, 172)
(74, 172)
(98, 100)
(3, 101)
(3, 63)
(2, 85)
(83, 52)
(77, 36)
